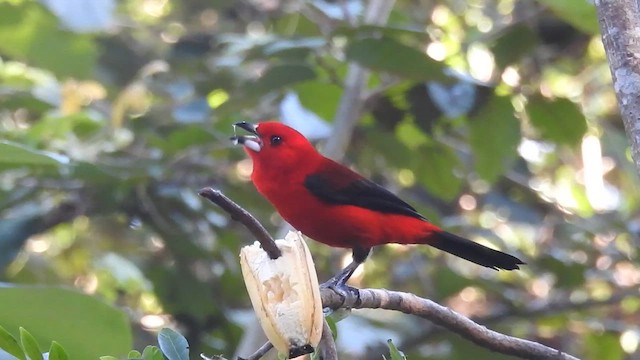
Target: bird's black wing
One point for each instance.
(358, 191)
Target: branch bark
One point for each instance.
(565, 305)
(620, 28)
(243, 216)
(328, 350)
(411, 304)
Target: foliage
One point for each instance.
(495, 118)
(174, 347)
(49, 310)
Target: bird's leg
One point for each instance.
(338, 282)
(341, 278)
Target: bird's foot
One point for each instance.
(338, 283)
(339, 287)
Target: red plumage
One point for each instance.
(336, 206)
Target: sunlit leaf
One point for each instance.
(10, 345)
(57, 352)
(389, 55)
(30, 345)
(558, 120)
(410, 135)
(494, 137)
(394, 352)
(46, 311)
(320, 97)
(152, 353)
(134, 354)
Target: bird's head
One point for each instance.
(274, 146)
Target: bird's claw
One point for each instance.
(343, 290)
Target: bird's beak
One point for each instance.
(252, 141)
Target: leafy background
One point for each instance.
(496, 118)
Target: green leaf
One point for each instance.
(494, 137)
(389, 55)
(569, 275)
(30, 33)
(281, 46)
(13, 154)
(281, 76)
(10, 345)
(580, 14)
(434, 169)
(411, 135)
(174, 346)
(320, 97)
(605, 346)
(512, 45)
(152, 353)
(67, 316)
(394, 352)
(134, 354)
(57, 352)
(115, 358)
(332, 326)
(558, 120)
(368, 30)
(30, 345)
(58, 127)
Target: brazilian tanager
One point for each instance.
(336, 206)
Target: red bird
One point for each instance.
(339, 207)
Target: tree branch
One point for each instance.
(411, 304)
(619, 24)
(328, 349)
(264, 349)
(243, 216)
(529, 312)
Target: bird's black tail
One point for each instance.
(474, 252)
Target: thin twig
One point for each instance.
(245, 218)
(328, 349)
(411, 304)
(264, 349)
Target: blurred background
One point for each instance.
(495, 118)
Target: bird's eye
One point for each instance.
(276, 140)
